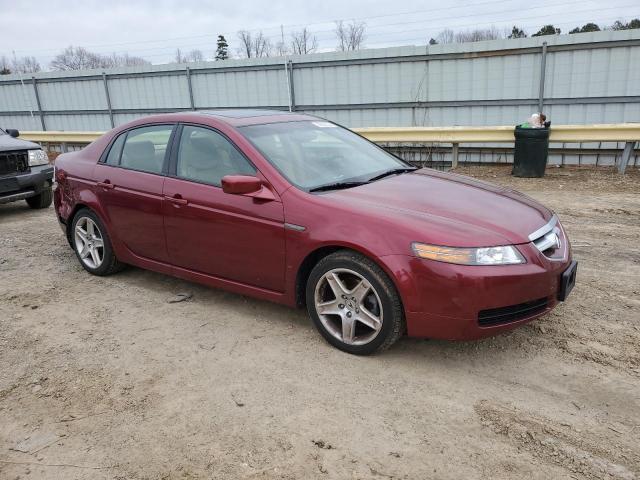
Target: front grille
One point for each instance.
(512, 313)
(13, 162)
(549, 239)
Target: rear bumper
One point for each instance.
(457, 302)
(25, 185)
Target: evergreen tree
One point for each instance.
(589, 27)
(618, 25)
(547, 30)
(222, 52)
(517, 33)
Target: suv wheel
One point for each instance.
(43, 200)
(354, 304)
(92, 245)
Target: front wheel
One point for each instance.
(42, 200)
(354, 304)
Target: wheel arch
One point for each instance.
(313, 257)
(77, 207)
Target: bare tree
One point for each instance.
(79, 58)
(5, 66)
(124, 60)
(350, 36)
(25, 65)
(446, 36)
(449, 36)
(478, 35)
(303, 42)
(282, 49)
(76, 58)
(246, 41)
(178, 58)
(261, 46)
(195, 56)
(254, 46)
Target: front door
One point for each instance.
(233, 237)
(129, 188)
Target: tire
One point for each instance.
(42, 200)
(99, 241)
(369, 315)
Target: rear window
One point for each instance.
(145, 148)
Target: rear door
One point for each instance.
(233, 237)
(130, 181)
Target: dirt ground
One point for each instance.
(104, 378)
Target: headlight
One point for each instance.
(505, 255)
(38, 157)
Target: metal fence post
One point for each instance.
(190, 89)
(543, 67)
(626, 155)
(108, 97)
(40, 113)
(455, 150)
(292, 90)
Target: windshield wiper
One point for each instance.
(336, 186)
(392, 172)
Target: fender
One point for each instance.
(86, 198)
(395, 266)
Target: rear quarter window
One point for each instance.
(113, 157)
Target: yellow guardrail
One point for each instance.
(621, 132)
(616, 132)
(60, 137)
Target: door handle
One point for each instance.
(106, 184)
(177, 200)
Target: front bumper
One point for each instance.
(458, 302)
(25, 185)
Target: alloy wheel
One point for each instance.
(348, 306)
(89, 242)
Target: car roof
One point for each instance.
(242, 112)
(237, 117)
(251, 116)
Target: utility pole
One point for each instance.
(286, 68)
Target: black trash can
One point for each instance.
(531, 151)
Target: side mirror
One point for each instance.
(13, 132)
(240, 184)
(246, 185)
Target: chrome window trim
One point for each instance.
(544, 229)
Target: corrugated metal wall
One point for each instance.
(590, 78)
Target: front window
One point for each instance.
(206, 156)
(312, 154)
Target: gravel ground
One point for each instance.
(105, 378)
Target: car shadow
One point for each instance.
(489, 351)
(15, 209)
(215, 297)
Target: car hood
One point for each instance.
(8, 143)
(450, 209)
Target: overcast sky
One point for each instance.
(155, 28)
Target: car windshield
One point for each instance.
(312, 154)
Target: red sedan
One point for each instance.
(298, 210)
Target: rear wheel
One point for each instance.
(354, 304)
(92, 245)
(43, 200)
